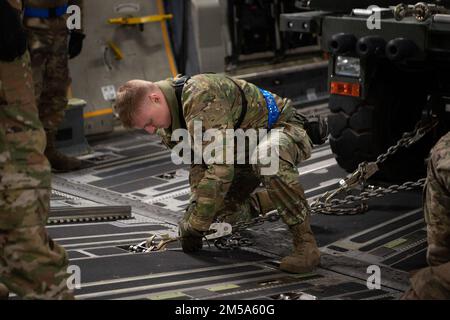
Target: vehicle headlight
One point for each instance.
(347, 66)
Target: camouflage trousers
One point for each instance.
(280, 190)
(49, 63)
(437, 203)
(31, 265)
(434, 282)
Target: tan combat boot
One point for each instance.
(306, 254)
(58, 160)
(4, 292)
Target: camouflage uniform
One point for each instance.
(224, 189)
(31, 264)
(47, 42)
(434, 282)
(48, 46)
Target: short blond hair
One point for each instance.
(129, 98)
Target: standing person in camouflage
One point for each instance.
(224, 190)
(46, 26)
(434, 282)
(31, 264)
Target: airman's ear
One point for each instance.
(155, 98)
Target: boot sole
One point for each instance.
(292, 268)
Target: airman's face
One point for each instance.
(153, 114)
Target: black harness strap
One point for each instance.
(244, 106)
(178, 85)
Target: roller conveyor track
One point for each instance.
(88, 214)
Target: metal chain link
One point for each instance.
(421, 11)
(272, 216)
(409, 138)
(235, 240)
(325, 204)
(334, 206)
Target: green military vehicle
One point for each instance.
(389, 67)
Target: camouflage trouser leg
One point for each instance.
(30, 264)
(437, 203)
(434, 282)
(240, 203)
(283, 184)
(49, 63)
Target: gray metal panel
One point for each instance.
(144, 57)
(387, 228)
(70, 138)
(392, 237)
(303, 84)
(302, 21)
(347, 5)
(132, 176)
(137, 185)
(96, 229)
(110, 238)
(209, 46)
(140, 151)
(173, 185)
(141, 165)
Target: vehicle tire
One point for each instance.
(363, 129)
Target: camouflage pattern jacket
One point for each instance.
(216, 101)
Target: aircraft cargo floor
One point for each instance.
(134, 190)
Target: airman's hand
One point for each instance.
(191, 239)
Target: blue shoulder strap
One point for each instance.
(272, 107)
